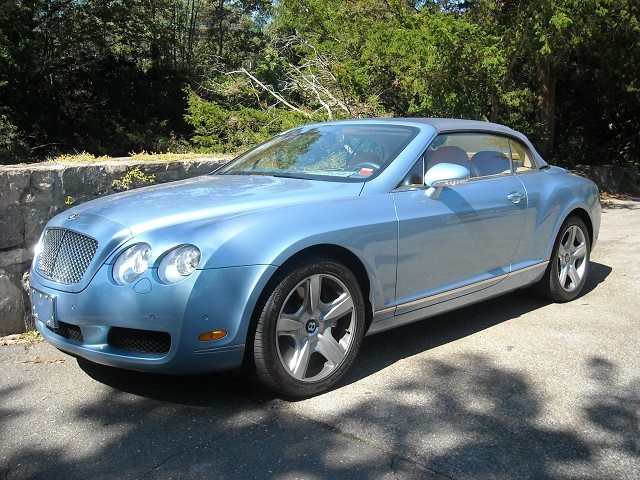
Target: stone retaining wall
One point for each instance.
(31, 194)
(612, 178)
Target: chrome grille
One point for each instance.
(65, 255)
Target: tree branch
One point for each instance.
(269, 90)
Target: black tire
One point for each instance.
(300, 347)
(568, 267)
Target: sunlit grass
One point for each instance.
(85, 157)
(171, 157)
(78, 157)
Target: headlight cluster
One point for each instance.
(179, 263)
(176, 265)
(132, 263)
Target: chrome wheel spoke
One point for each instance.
(580, 251)
(312, 293)
(330, 349)
(563, 275)
(562, 251)
(574, 276)
(572, 237)
(318, 308)
(289, 324)
(573, 255)
(338, 308)
(300, 361)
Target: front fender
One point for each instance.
(365, 226)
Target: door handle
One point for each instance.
(515, 197)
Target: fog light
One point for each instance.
(214, 335)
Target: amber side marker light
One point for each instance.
(215, 335)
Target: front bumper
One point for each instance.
(152, 327)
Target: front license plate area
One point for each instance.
(43, 308)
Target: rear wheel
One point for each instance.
(310, 328)
(569, 265)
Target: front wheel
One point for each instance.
(569, 265)
(310, 328)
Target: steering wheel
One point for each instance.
(373, 165)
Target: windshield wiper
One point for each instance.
(283, 175)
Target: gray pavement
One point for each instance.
(511, 388)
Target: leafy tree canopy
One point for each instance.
(115, 76)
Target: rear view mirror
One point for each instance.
(444, 175)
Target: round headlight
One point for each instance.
(132, 263)
(179, 263)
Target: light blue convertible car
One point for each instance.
(283, 259)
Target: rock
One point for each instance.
(81, 184)
(12, 308)
(25, 281)
(14, 257)
(11, 228)
(12, 186)
(35, 221)
(41, 189)
(29, 321)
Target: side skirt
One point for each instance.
(458, 298)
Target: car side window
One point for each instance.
(520, 157)
(483, 154)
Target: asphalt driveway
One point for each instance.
(511, 388)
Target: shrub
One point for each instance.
(12, 148)
(134, 178)
(221, 130)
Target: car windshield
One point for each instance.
(339, 152)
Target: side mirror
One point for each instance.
(444, 175)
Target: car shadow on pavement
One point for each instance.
(383, 349)
(205, 390)
(461, 416)
(598, 273)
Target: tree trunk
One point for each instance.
(495, 108)
(547, 106)
(220, 29)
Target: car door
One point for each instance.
(465, 239)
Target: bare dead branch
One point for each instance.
(270, 90)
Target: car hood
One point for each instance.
(210, 197)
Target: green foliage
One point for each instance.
(439, 65)
(599, 94)
(32, 336)
(12, 148)
(115, 76)
(26, 338)
(134, 178)
(221, 130)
